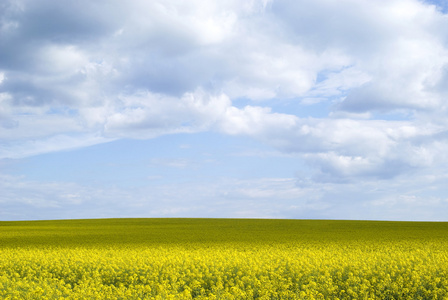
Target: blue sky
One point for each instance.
(248, 109)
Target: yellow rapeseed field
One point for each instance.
(223, 259)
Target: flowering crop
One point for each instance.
(223, 259)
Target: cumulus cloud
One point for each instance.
(76, 74)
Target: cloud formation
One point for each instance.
(88, 72)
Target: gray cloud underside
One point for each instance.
(76, 74)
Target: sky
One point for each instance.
(224, 109)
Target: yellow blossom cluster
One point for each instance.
(308, 268)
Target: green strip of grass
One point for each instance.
(154, 232)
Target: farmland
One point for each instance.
(223, 259)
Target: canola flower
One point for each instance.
(224, 259)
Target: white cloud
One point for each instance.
(410, 207)
(347, 149)
(146, 114)
(254, 121)
(90, 72)
(405, 199)
(394, 56)
(61, 59)
(60, 142)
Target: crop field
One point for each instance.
(223, 259)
